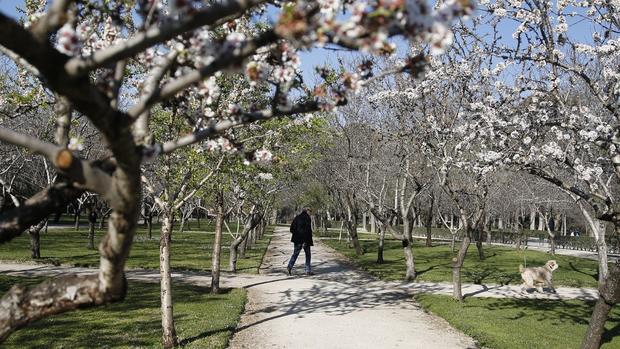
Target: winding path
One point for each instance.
(339, 307)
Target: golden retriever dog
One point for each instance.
(538, 276)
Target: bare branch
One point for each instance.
(199, 185)
(56, 197)
(20, 61)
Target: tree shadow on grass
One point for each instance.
(421, 272)
(573, 267)
(554, 310)
(608, 335)
(557, 311)
(205, 334)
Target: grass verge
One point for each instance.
(191, 250)
(522, 323)
(499, 267)
(202, 320)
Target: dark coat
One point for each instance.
(301, 229)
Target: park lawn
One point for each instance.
(334, 233)
(191, 250)
(202, 320)
(522, 323)
(501, 265)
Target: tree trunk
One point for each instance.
(76, 219)
(541, 222)
(452, 242)
(373, 224)
(217, 245)
(149, 224)
(169, 337)
(557, 220)
(102, 222)
(233, 254)
(35, 244)
(352, 228)
(407, 242)
(352, 225)
(380, 247)
(457, 264)
(182, 227)
(35, 239)
(243, 247)
(598, 228)
(91, 236)
(479, 245)
(92, 220)
(429, 223)
(240, 241)
(609, 295)
(263, 229)
(410, 273)
(603, 266)
(552, 244)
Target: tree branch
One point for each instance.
(217, 127)
(83, 174)
(227, 58)
(55, 17)
(21, 305)
(56, 197)
(217, 13)
(198, 186)
(84, 96)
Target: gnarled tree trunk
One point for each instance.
(35, 239)
(251, 221)
(609, 295)
(352, 229)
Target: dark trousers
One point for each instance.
(296, 251)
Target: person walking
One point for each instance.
(301, 230)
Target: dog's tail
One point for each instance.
(520, 268)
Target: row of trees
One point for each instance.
(495, 129)
(143, 96)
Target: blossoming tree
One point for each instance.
(113, 67)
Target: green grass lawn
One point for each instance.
(202, 320)
(191, 250)
(499, 267)
(335, 234)
(522, 323)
